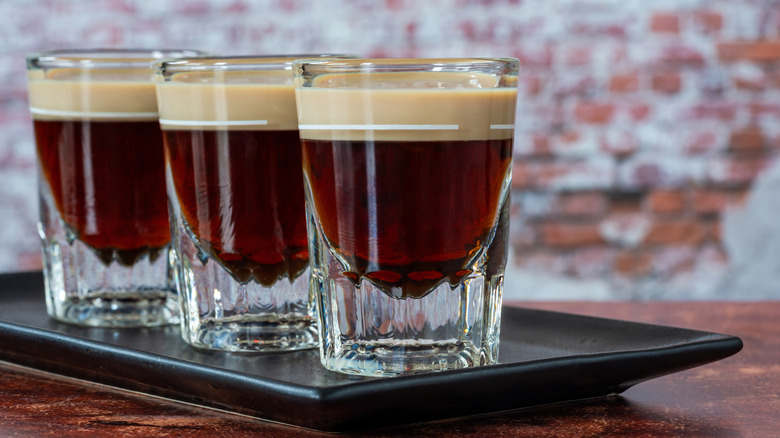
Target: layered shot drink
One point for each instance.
(104, 220)
(237, 203)
(407, 167)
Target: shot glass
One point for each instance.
(235, 188)
(407, 167)
(103, 211)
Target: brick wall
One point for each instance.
(638, 133)
(642, 125)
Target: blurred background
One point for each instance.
(646, 130)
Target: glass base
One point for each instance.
(365, 331)
(245, 335)
(119, 309)
(81, 289)
(392, 359)
(223, 314)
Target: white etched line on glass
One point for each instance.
(213, 122)
(509, 126)
(59, 113)
(383, 127)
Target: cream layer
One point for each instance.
(420, 106)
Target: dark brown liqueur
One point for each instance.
(108, 183)
(241, 194)
(407, 215)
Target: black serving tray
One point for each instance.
(546, 357)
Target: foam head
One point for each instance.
(415, 105)
(94, 84)
(235, 93)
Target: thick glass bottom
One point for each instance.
(366, 331)
(82, 289)
(116, 308)
(220, 313)
(258, 335)
(393, 358)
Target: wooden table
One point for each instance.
(738, 396)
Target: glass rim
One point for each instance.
(400, 64)
(242, 62)
(104, 57)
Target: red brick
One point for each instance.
(624, 83)
(584, 204)
(749, 139)
(532, 145)
(125, 7)
(714, 231)
(668, 83)
(639, 112)
(758, 109)
(708, 21)
(534, 56)
(750, 84)
(665, 22)
(717, 231)
(570, 235)
(749, 76)
(193, 8)
(667, 201)
(625, 205)
(681, 55)
(569, 137)
(718, 110)
(521, 175)
(541, 145)
(712, 201)
(7, 159)
(738, 197)
(594, 113)
(577, 56)
(735, 171)
(530, 85)
(707, 201)
(547, 173)
(635, 263)
(377, 52)
(702, 142)
(618, 55)
(468, 29)
(759, 51)
(601, 28)
(676, 231)
(573, 86)
(395, 5)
